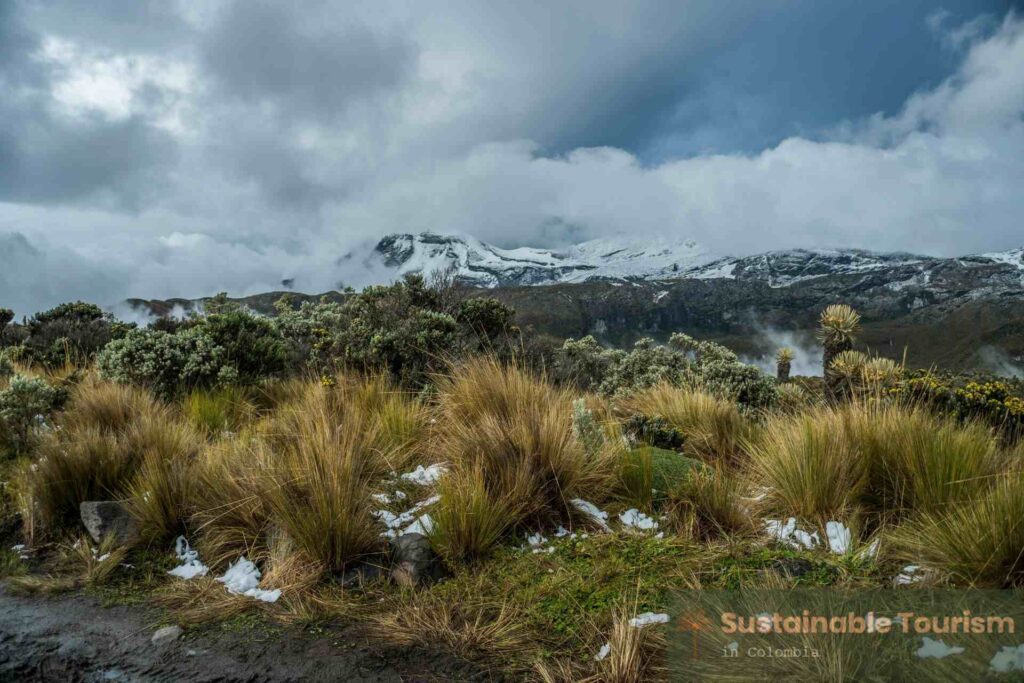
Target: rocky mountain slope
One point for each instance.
(957, 312)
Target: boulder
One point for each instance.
(413, 561)
(103, 518)
(166, 635)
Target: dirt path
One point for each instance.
(73, 639)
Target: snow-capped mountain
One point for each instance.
(481, 264)
(487, 266)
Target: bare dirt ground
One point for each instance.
(74, 639)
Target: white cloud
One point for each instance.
(452, 133)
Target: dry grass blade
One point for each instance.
(202, 600)
(470, 630)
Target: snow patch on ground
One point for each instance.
(408, 522)
(637, 520)
(936, 649)
(596, 514)
(839, 537)
(788, 533)
(424, 476)
(190, 566)
(648, 618)
(243, 578)
(910, 574)
(1008, 659)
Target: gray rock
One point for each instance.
(166, 635)
(103, 518)
(413, 561)
(361, 574)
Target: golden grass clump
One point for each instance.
(807, 466)
(919, 461)
(160, 494)
(709, 503)
(72, 467)
(231, 516)
(885, 459)
(108, 407)
(634, 655)
(473, 630)
(219, 412)
(308, 471)
(713, 427)
(508, 437)
(977, 541)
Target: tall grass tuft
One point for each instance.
(308, 472)
(219, 411)
(711, 503)
(713, 426)
(634, 654)
(73, 467)
(807, 466)
(471, 630)
(107, 407)
(231, 516)
(919, 461)
(510, 434)
(978, 542)
(470, 520)
(160, 494)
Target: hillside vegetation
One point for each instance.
(566, 491)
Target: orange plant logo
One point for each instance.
(693, 622)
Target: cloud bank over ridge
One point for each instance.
(182, 148)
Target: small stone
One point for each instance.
(166, 635)
(414, 562)
(108, 518)
(359, 575)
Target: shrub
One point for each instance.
(72, 332)
(998, 402)
(654, 431)
(408, 329)
(6, 366)
(167, 363)
(24, 407)
(311, 333)
(684, 362)
(247, 344)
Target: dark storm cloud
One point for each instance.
(45, 157)
(202, 145)
(260, 51)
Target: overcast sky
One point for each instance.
(182, 147)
